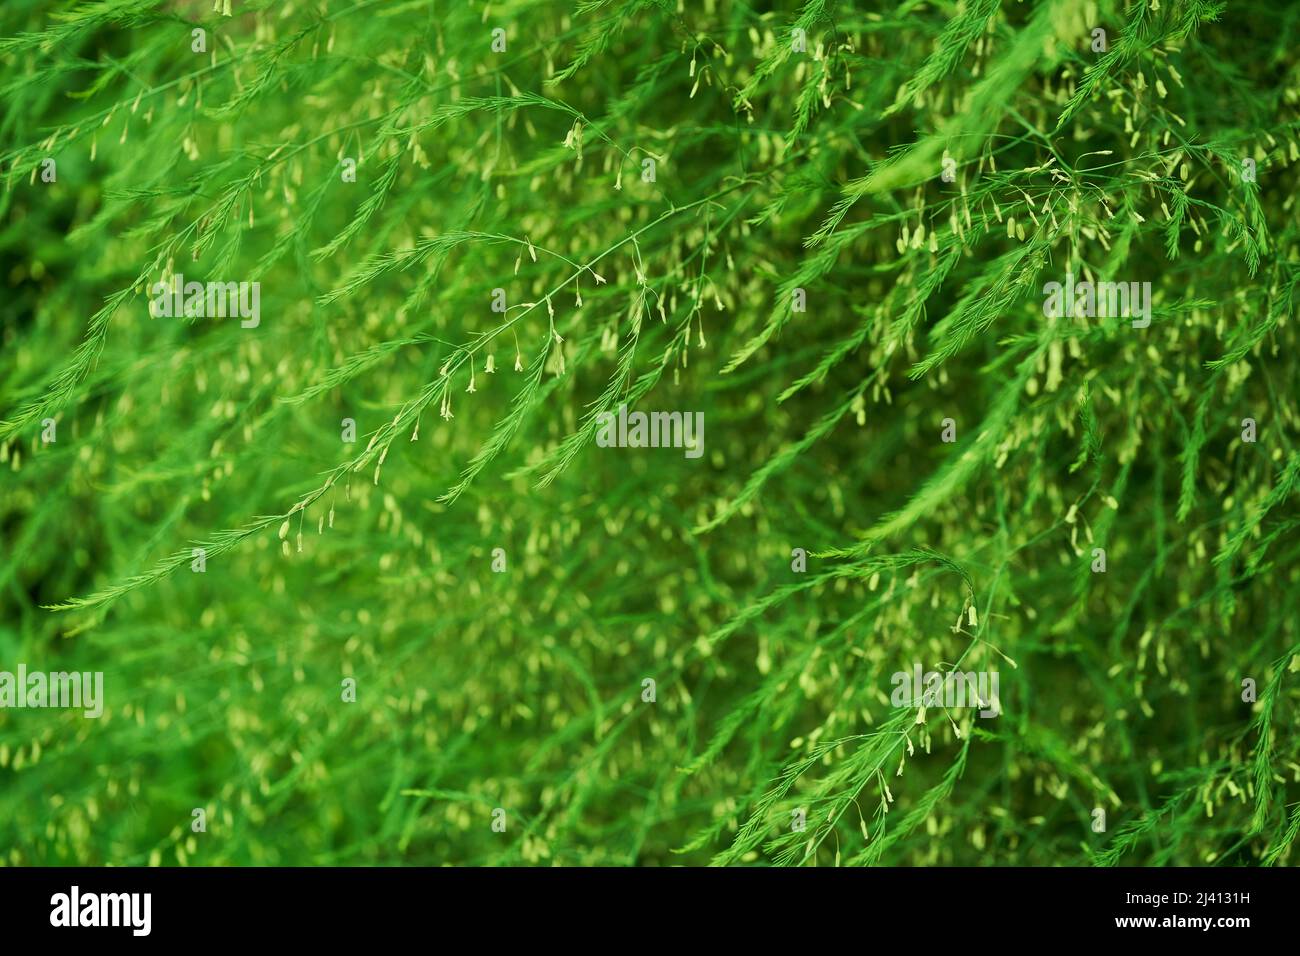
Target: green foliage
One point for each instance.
(775, 171)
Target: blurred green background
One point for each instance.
(794, 147)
